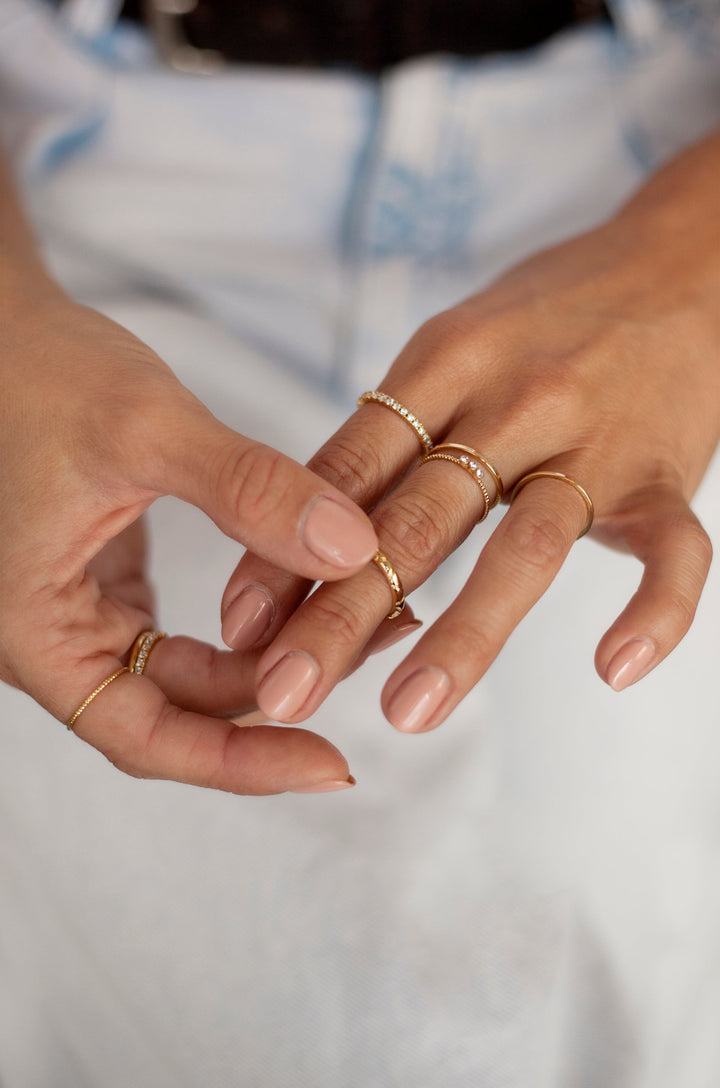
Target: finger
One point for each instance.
(666, 536)
(262, 498)
(132, 723)
(196, 676)
(371, 449)
(423, 520)
(375, 447)
(517, 565)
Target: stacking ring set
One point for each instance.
(466, 458)
(141, 649)
(474, 464)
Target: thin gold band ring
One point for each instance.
(101, 687)
(546, 475)
(479, 467)
(464, 462)
(392, 578)
(376, 396)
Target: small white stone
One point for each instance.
(473, 464)
(464, 460)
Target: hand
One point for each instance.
(597, 359)
(94, 428)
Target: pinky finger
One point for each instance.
(676, 552)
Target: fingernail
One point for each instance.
(630, 663)
(418, 698)
(327, 787)
(287, 686)
(396, 635)
(342, 537)
(248, 618)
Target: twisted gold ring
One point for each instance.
(376, 396)
(142, 647)
(101, 687)
(392, 578)
(568, 480)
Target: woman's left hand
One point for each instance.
(597, 359)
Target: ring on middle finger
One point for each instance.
(392, 578)
(472, 462)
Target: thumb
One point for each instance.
(267, 501)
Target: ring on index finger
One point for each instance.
(376, 396)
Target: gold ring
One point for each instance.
(384, 565)
(475, 464)
(142, 647)
(568, 480)
(376, 396)
(101, 687)
(469, 464)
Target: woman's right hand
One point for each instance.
(95, 427)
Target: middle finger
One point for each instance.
(424, 519)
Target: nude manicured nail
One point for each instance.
(342, 537)
(418, 698)
(630, 663)
(327, 787)
(286, 688)
(248, 618)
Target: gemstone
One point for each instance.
(464, 460)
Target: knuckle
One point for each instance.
(682, 609)
(347, 468)
(415, 534)
(255, 482)
(476, 645)
(448, 334)
(340, 621)
(555, 400)
(536, 542)
(699, 544)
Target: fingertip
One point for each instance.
(248, 617)
(415, 705)
(630, 663)
(338, 534)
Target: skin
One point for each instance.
(95, 427)
(599, 358)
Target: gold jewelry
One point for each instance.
(471, 466)
(475, 463)
(94, 695)
(378, 397)
(568, 480)
(384, 565)
(142, 647)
